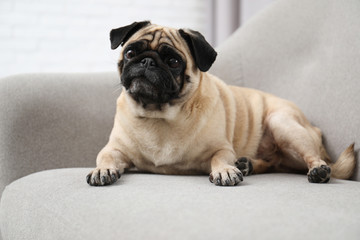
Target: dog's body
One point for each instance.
(196, 124)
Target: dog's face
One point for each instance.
(160, 65)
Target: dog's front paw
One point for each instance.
(319, 174)
(229, 176)
(102, 176)
(244, 165)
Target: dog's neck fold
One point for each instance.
(186, 108)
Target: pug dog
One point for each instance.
(173, 117)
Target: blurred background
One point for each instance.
(73, 35)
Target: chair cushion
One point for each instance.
(59, 204)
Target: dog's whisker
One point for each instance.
(117, 89)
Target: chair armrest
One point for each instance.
(54, 121)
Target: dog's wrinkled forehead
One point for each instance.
(191, 44)
(156, 36)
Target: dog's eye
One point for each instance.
(130, 54)
(173, 63)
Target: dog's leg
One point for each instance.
(302, 141)
(249, 166)
(223, 173)
(110, 165)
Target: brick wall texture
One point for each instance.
(73, 35)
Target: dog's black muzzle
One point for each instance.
(149, 81)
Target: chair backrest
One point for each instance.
(308, 52)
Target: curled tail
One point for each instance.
(344, 167)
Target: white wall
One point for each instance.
(73, 35)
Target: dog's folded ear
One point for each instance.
(202, 52)
(120, 35)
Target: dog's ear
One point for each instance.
(119, 36)
(202, 52)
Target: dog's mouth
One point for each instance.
(144, 92)
(150, 90)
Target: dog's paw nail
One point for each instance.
(88, 177)
(227, 177)
(104, 180)
(227, 182)
(218, 182)
(102, 177)
(211, 178)
(240, 175)
(113, 178)
(118, 174)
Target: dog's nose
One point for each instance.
(147, 62)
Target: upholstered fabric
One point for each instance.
(54, 121)
(59, 203)
(306, 51)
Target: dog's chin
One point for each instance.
(145, 93)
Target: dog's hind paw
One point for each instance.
(245, 166)
(319, 174)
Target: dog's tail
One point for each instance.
(344, 167)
